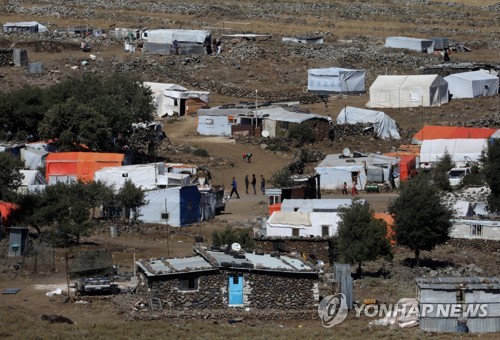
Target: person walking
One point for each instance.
(344, 189)
(262, 184)
(234, 189)
(254, 182)
(354, 190)
(247, 183)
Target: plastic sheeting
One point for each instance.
(472, 84)
(181, 204)
(414, 44)
(408, 91)
(31, 26)
(33, 158)
(282, 223)
(460, 150)
(385, 127)
(336, 80)
(167, 36)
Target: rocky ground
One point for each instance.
(354, 33)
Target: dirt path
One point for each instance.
(264, 162)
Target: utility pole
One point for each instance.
(256, 92)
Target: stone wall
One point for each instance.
(476, 244)
(225, 314)
(6, 57)
(319, 247)
(261, 290)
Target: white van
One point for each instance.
(455, 175)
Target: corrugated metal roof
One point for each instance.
(263, 262)
(208, 260)
(324, 204)
(219, 111)
(338, 160)
(156, 267)
(280, 114)
(453, 283)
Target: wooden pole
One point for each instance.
(67, 274)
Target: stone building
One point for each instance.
(215, 279)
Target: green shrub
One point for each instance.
(281, 178)
(201, 153)
(301, 134)
(230, 235)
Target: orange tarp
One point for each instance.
(407, 167)
(430, 132)
(6, 209)
(83, 165)
(274, 207)
(391, 234)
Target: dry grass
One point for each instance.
(352, 328)
(287, 23)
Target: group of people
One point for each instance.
(354, 190)
(234, 185)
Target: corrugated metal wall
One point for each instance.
(476, 325)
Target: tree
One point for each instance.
(21, 111)
(440, 172)
(95, 111)
(361, 237)
(422, 218)
(301, 133)
(10, 175)
(281, 178)
(62, 211)
(131, 198)
(230, 235)
(492, 175)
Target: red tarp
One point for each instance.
(430, 132)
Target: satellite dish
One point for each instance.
(346, 152)
(235, 247)
(265, 133)
(320, 263)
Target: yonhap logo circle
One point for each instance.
(333, 310)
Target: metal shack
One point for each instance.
(449, 303)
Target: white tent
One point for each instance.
(33, 158)
(415, 44)
(32, 181)
(167, 36)
(463, 208)
(385, 127)
(29, 26)
(408, 91)
(461, 150)
(336, 80)
(175, 206)
(472, 84)
(336, 169)
(170, 99)
(145, 176)
(306, 224)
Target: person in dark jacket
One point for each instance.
(247, 183)
(254, 182)
(234, 189)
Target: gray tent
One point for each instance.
(336, 80)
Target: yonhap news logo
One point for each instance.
(333, 310)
